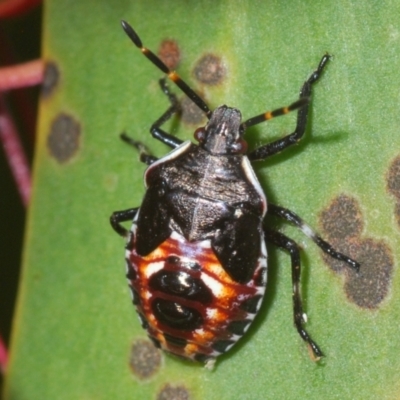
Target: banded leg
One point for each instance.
(293, 218)
(121, 216)
(269, 149)
(282, 241)
(156, 130)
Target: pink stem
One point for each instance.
(21, 75)
(12, 8)
(15, 154)
(3, 356)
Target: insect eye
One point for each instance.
(239, 147)
(200, 134)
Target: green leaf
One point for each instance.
(75, 325)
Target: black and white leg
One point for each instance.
(293, 218)
(302, 105)
(283, 242)
(122, 216)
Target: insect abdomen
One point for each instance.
(187, 302)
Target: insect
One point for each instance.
(196, 252)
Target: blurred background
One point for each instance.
(20, 35)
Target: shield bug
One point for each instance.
(196, 252)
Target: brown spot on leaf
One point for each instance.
(63, 140)
(169, 392)
(144, 359)
(369, 287)
(190, 113)
(393, 185)
(342, 220)
(342, 224)
(393, 178)
(51, 78)
(397, 213)
(209, 70)
(169, 53)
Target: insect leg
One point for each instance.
(155, 129)
(289, 245)
(121, 216)
(290, 216)
(144, 154)
(278, 145)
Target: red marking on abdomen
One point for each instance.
(217, 311)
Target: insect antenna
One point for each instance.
(275, 113)
(172, 75)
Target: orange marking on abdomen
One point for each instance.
(227, 295)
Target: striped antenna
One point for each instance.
(172, 75)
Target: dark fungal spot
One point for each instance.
(64, 137)
(393, 185)
(397, 213)
(175, 315)
(393, 178)
(144, 359)
(209, 70)
(51, 78)
(342, 223)
(169, 392)
(169, 53)
(342, 219)
(370, 286)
